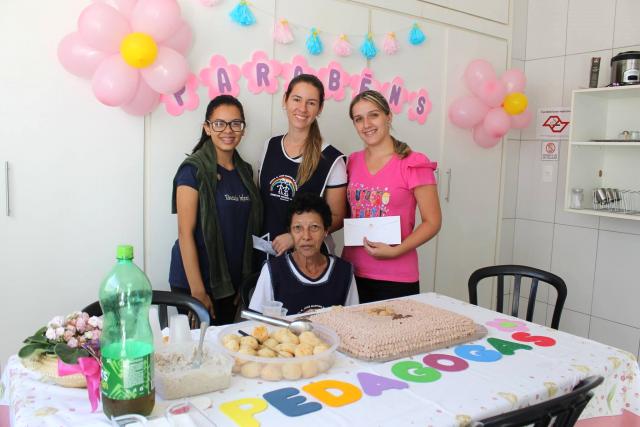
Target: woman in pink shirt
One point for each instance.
(387, 178)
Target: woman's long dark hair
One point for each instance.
(215, 103)
(313, 145)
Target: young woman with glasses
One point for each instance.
(300, 161)
(219, 209)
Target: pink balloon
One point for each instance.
(477, 72)
(102, 27)
(77, 57)
(482, 138)
(491, 92)
(169, 72)
(181, 40)
(123, 6)
(158, 18)
(467, 112)
(496, 123)
(115, 83)
(522, 120)
(514, 80)
(144, 101)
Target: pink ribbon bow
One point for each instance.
(90, 368)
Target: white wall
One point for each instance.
(553, 42)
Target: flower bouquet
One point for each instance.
(65, 349)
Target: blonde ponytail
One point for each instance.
(311, 155)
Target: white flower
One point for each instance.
(73, 343)
(50, 334)
(59, 332)
(88, 335)
(96, 322)
(56, 322)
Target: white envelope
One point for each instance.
(385, 229)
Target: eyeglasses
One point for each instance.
(221, 125)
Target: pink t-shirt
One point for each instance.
(387, 193)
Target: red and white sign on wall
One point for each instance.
(553, 123)
(550, 150)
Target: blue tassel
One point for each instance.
(368, 48)
(416, 36)
(241, 14)
(314, 44)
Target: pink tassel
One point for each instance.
(390, 44)
(282, 33)
(342, 47)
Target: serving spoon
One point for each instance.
(296, 326)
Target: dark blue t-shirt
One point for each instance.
(233, 205)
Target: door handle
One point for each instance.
(448, 193)
(6, 188)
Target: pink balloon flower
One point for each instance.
(131, 50)
(484, 109)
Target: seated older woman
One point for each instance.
(306, 279)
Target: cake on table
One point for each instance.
(395, 328)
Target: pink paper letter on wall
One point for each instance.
(420, 106)
(261, 73)
(363, 81)
(396, 94)
(297, 66)
(335, 80)
(185, 99)
(220, 77)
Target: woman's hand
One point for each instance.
(380, 250)
(282, 243)
(204, 298)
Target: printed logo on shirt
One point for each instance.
(368, 202)
(238, 198)
(283, 187)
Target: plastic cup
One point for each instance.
(272, 308)
(179, 329)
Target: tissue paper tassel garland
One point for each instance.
(390, 44)
(242, 15)
(342, 47)
(416, 36)
(314, 44)
(368, 48)
(282, 32)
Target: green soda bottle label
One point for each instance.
(127, 379)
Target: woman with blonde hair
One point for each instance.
(300, 161)
(387, 178)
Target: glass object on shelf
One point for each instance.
(577, 196)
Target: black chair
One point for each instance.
(518, 272)
(563, 411)
(163, 299)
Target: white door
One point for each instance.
(75, 175)
(470, 176)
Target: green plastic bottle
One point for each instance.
(126, 343)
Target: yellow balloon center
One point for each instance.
(139, 50)
(515, 103)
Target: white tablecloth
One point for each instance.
(481, 389)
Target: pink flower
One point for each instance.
(185, 99)
(420, 106)
(68, 334)
(96, 322)
(297, 66)
(118, 78)
(396, 94)
(363, 81)
(73, 343)
(261, 73)
(335, 80)
(96, 334)
(81, 324)
(220, 77)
